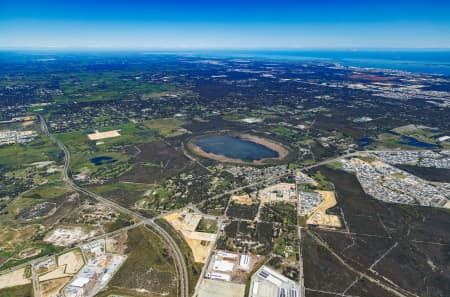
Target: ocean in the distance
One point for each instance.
(419, 61)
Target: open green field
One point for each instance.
(45, 250)
(21, 155)
(168, 127)
(283, 131)
(48, 191)
(124, 193)
(19, 291)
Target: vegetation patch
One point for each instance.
(149, 266)
(194, 269)
(242, 211)
(168, 127)
(284, 213)
(18, 291)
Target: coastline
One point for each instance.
(282, 151)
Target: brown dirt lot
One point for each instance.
(116, 243)
(242, 199)
(54, 274)
(52, 287)
(199, 242)
(73, 261)
(13, 278)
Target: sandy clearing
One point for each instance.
(54, 274)
(184, 221)
(73, 261)
(199, 242)
(202, 236)
(116, 244)
(27, 123)
(242, 199)
(14, 278)
(66, 236)
(172, 216)
(102, 135)
(217, 288)
(52, 287)
(200, 249)
(319, 216)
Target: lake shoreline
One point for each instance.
(281, 151)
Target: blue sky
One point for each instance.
(218, 24)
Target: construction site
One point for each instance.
(200, 242)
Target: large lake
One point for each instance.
(235, 148)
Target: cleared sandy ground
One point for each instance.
(189, 223)
(242, 199)
(282, 152)
(216, 288)
(102, 135)
(319, 217)
(116, 244)
(54, 274)
(199, 242)
(52, 287)
(73, 261)
(66, 236)
(14, 278)
(200, 249)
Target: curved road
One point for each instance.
(180, 264)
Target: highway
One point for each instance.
(180, 264)
(182, 272)
(301, 278)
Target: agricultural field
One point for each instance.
(105, 86)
